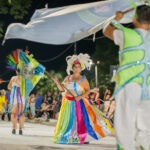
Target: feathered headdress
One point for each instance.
(13, 60)
(83, 59)
(30, 70)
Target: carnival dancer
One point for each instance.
(17, 103)
(29, 72)
(78, 119)
(132, 124)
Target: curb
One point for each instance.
(40, 122)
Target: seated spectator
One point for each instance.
(100, 97)
(44, 110)
(92, 98)
(107, 100)
(54, 102)
(44, 116)
(44, 106)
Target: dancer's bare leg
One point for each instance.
(22, 118)
(13, 116)
(21, 122)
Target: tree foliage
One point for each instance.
(107, 53)
(15, 9)
(47, 84)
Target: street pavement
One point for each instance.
(38, 137)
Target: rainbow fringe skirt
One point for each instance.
(79, 119)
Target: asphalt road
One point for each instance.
(38, 137)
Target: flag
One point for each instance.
(68, 24)
(31, 72)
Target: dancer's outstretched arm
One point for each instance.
(109, 29)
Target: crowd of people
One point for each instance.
(101, 98)
(38, 105)
(44, 106)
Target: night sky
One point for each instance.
(40, 51)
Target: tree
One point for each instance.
(47, 84)
(107, 53)
(16, 9)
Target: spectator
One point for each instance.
(2, 103)
(107, 101)
(49, 98)
(38, 103)
(107, 94)
(7, 97)
(38, 100)
(100, 97)
(44, 109)
(101, 93)
(98, 94)
(55, 95)
(92, 98)
(44, 106)
(44, 117)
(54, 103)
(51, 107)
(32, 105)
(58, 104)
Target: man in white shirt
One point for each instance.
(132, 126)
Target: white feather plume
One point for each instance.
(83, 58)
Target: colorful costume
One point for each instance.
(15, 95)
(132, 126)
(2, 103)
(79, 119)
(30, 73)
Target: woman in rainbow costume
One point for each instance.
(29, 72)
(17, 104)
(78, 119)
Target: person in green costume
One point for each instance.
(132, 94)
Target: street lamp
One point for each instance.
(96, 71)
